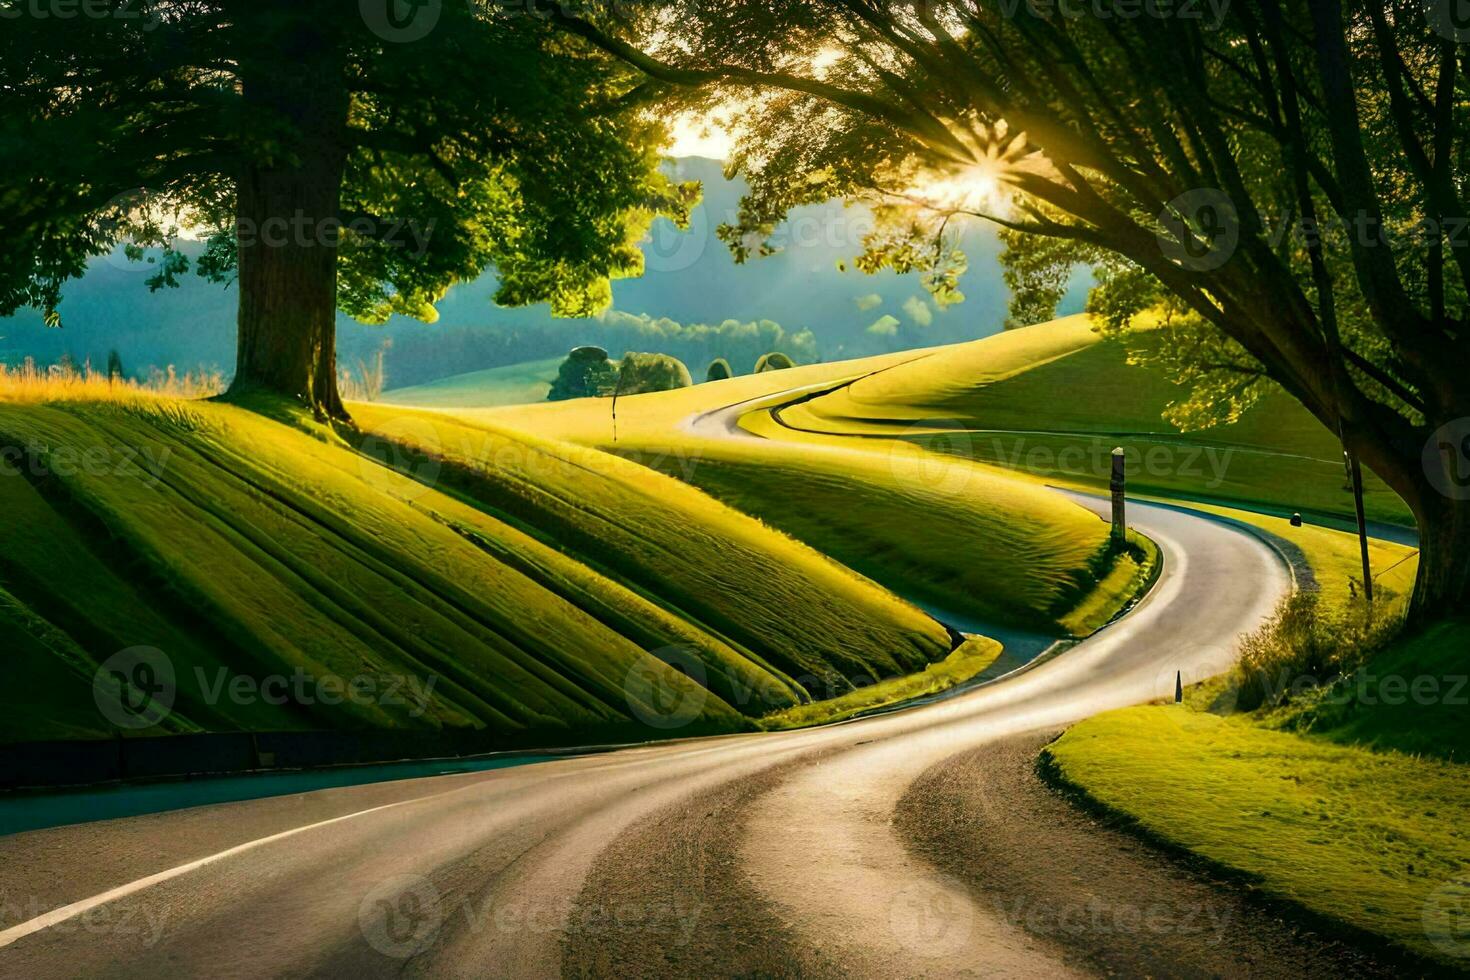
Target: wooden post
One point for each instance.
(1355, 469)
(1118, 484)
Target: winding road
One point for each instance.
(813, 852)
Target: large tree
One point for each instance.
(1290, 174)
(335, 154)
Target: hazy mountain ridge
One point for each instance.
(690, 278)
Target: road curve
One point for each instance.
(480, 874)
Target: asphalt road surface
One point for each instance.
(753, 854)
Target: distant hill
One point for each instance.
(690, 278)
(513, 384)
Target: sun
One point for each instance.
(973, 187)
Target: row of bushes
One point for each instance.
(588, 372)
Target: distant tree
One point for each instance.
(339, 155)
(115, 370)
(719, 370)
(640, 372)
(734, 340)
(774, 361)
(586, 373)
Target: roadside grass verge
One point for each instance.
(1121, 579)
(968, 661)
(1333, 562)
(1372, 840)
(1326, 769)
(1412, 697)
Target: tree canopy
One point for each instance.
(1284, 180)
(640, 372)
(330, 157)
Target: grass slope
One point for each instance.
(1373, 840)
(513, 384)
(988, 399)
(1359, 786)
(530, 579)
(970, 539)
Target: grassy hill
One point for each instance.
(1055, 398)
(529, 578)
(514, 384)
(971, 540)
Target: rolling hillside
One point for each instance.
(514, 384)
(530, 579)
(1054, 399)
(972, 542)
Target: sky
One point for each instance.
(695, 136)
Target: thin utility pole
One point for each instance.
(1356, 470)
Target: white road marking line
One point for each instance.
(55, 916)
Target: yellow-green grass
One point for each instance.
(970, 539)
(957, 536)
(1119, 582)
(1335, 561)
(513, 384)
(944, 382)
(1412, 697)
(967, 662)
(1055, 398)
(1373, 840)
(530, 579)
(653, 418)
(1346, 801)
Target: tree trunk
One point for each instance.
(1435, 483)
(288, 223)
(1443, 584)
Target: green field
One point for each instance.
(972, 540)
(1055, 399)
(530, 578)
(514, 384)
(1372, 839)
